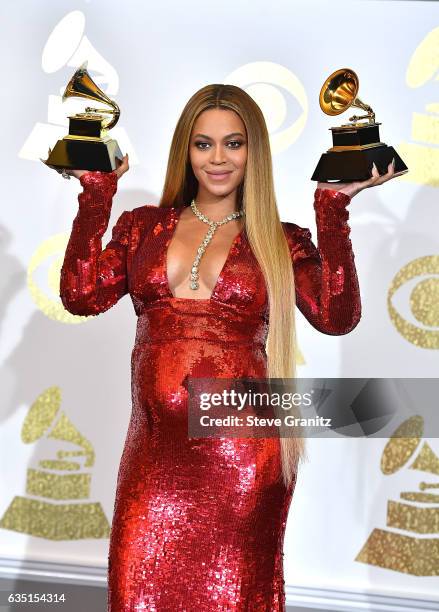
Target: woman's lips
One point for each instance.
(218, 177)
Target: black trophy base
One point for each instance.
(355, 165)
(85, 155)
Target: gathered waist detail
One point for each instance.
(179, 319)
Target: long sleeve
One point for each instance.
(92, 279)
(327, 289)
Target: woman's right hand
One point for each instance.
(122, 167)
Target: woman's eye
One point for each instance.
(234, 142)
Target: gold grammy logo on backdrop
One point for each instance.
(39, 513)
(422, 156)
(423, 159)
(417, 515)
(50, 254)
(424, 302)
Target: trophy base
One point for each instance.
(356, 165)
(78, 154)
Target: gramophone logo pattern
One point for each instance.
(423, 155)
(416, 550)
(424, 302)
(54, 506)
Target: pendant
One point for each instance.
(201, 249)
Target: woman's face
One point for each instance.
(218, 144)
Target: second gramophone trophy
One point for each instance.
(356, 145)
(88, 145)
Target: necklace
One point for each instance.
(213, 226)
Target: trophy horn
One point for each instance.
(356, 146)
(82, 85)
(339, 92)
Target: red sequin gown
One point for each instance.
(198, 524)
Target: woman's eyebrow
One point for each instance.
(225, 137)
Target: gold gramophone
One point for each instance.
(87, 145)
(410, 543)
(356, 145)
(57, 503)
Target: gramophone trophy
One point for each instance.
(356, 145)
(87, 145)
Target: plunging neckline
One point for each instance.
(175, 219)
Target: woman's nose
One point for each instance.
(218, 155)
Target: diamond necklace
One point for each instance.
(213, 225)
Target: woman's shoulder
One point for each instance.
(146, 217)
(151, 207)
(150, 211)
(296, 232)
(299, 240)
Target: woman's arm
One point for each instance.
(327, 289)
(92, 279)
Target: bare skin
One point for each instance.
(215, 199)
(214, 151)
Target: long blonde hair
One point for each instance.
(256, 196)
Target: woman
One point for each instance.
(199, 523)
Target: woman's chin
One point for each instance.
(220, 190)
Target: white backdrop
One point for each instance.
(151, 57)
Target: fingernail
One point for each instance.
(375, 166)
(393, 162)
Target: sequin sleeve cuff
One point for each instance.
(92, 280)
(99, 189)
(327, 288)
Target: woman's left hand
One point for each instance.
(351, 189)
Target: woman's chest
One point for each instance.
(236, 279)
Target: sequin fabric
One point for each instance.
(198, 524)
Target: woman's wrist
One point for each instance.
(348, 189)
(335, 194)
